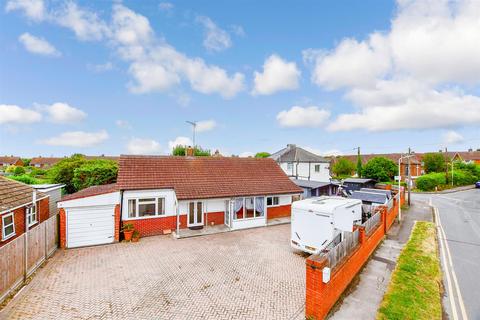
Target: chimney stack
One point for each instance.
(189, 151)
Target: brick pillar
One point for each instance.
(384, 220)
(63, 229)
(362, 235)
(117, 223)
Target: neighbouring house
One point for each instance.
(301, 164)
(164, 194)
(54, 192)
(353, 184)
(10, 161)
(469, 156)
(316, 188)
(416, 165)
(17, 210)
(44, 162)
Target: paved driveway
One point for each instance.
(250, 274)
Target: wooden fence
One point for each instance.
(41, 243)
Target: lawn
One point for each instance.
(415, 288)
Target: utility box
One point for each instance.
(326, 275)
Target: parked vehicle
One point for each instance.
(317, 221)
(477, 184)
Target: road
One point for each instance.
(459, 235)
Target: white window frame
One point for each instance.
(137, 206)
(255, 217)
(4, 226)
(319, 166)
(31, 211)
(272, 205)
(289, 166)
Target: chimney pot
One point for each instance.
(189, 151)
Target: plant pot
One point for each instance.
(135, 239)
(128, 235)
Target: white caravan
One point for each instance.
(316, 221)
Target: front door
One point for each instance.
(195, 214)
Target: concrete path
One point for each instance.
(364, 299)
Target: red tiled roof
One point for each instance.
(204, 177)
(469, 155)
(91, 191)
(44, 160)
(15, 194)
(416, 159)
(9, 160)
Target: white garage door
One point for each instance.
(89, 226)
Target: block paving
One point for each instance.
(249, 274)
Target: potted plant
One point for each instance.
(135, 236)
(127, 230)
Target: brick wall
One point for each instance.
(321, 297)
(279, 211)
(215, 217)
(19, 219)
(116, 233)
(156, 226)
(63, 229)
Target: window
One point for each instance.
(8, 226)
(146, 207)
(272, 201)
(31, 216)
(259, 207)
(248, 208)
(317, 168)
(289, 166)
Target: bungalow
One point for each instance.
(17, 209)
(10, 161)
(44, 162)
(164, 194)
(469, 156)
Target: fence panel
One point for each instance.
(372, 223)
(41, 242)
(343, 249)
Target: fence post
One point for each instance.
(45, 234)
(361, 235)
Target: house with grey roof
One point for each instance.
(301, 164)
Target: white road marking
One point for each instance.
(448, 263)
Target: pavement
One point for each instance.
(458, 220)
(363, 300)
(248, 274)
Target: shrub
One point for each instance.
(198, 152)
(63, 171)
(26, 179)
(10, 169)
(434, 162)
(343, 167)
(19, 171)
(463, 177)
(94, 172)
(380, 168)
(262, 155)
(428, 182)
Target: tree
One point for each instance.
(262, 155)
(26, 161)
(380, 168)
(434, 162)
(63, 171)
(18, 171)
(95, 172)
(359, 164)
(198, 151)
(343, 167)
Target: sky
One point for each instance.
(123, 77)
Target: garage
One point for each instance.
(88, 226)
(90, 217)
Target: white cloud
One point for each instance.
(123, 124)
(33, 9)
(277, 75)
(332, 152)
(130, 28)
(216, 39)
(414, 76)
(452, 137)
(38, 45)
(86, 24)
(428, 109)
(78, 139)
(143, 146)
(60, 112)
(238, 30)
(99, 68)
(179, 141)
(303, 117)
(206, 125)
(12, 114)
(165, 6)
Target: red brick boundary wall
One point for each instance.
(321, 297)
(279, 211)
(63, 229)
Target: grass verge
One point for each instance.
(415, 289)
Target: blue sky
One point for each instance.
(123, 77)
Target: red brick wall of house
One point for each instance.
(156, 226)
(279, 211)
(19, 219)
(215, 217)
(321, 297)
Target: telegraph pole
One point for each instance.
(359, 163)
(409, 175)
(194, 126)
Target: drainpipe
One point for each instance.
(177, 205)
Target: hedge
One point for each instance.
(428, 182)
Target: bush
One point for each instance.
(198, 152)
(95, 172)
(26, 179)
(262, 155)
(434, 162)
(63, 171)
(343, 167)
(19, 171)
(428, 182)
(463, 177)
(10, 169)
(380, 168)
